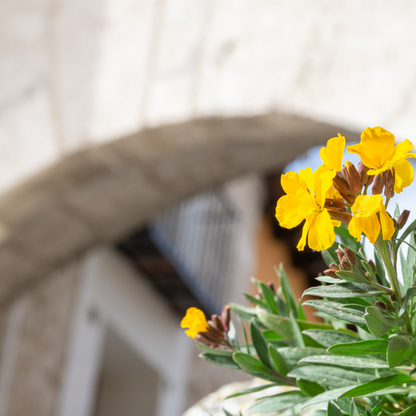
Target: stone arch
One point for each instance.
(97, 195)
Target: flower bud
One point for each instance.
(342, 216)
(381, 305)
(350, 256)
(362, 170)
(217, 323)
(378, 185)
(336, 203)
(404, 216)
(334, 266)
(345, 265)
(206, 338)
(216, 335)
(331, 273)
(372, 265)
(353, 178)
(270, 285)
(341, 184)
(225, 318)
(390, 178)
(340, 254)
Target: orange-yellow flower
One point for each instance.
(332, 154)
(378, 152)
(196, 322)
(365, 219)
(305, 200)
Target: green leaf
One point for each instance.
(377, 323)
(252, 390)
(292, 356)
(330, 256)
(301, 313)
(246, 312)
(354, 410)
(226, 413)
(352, 277)
(255, 301)
(405, 234)
(399, 351)
(343, 233)
(269, 298)
(346, 290)
(376, 385)
(330, 280)
(277, 361)
(287, 290)
(329, 338)
(253, 366)
(410, 411)
(356, 349)
(214, 351)
(381, 273)
(343, 361)
(260, 344)
(324, 397)
(310, 388)
(297, 335)
(333, 410)
(407, 266)
(330, 376)
(221, 360)
(334, 309)
(277, 403)
(409, 295)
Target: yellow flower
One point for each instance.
(332, 154)
(378, 152)
(195, 321)
(365, 219)
(305, 200)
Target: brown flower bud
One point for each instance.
(340, 254)
(336, 203)
(217, 323)
(381, 305)
(225, 318)
(341, 184)
(350, 256)
(334, 266)
(208, 338)
(378, 185)
(213, 332)
(372, 265)
(270, 285)
(353, 178)
(342, 216)
(345, 265)
(331, 273)
(390, 178)
(404, 216)
(362, 170)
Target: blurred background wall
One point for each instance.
(141, 143)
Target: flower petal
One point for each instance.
(321, 233)
(376, 147)
(302, 242)
(332, 154)
(195, 321)
(404, 175)
(287, 209)
(308, 178)
(370, 226)
(291, 183)
(323, 185)
(367, 205)
(401, 150)
(387, 225)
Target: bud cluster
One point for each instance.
(384, 180)
(216, 333)
(347, 261)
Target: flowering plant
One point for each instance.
(361, 359)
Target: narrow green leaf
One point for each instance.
(269, 298)
(343, 233)
(381, 272)
(297, 335)
(334, 309)
(301, 313)
(226, 413)
(352, 277)
(333, 410)
(377, 323)
(353, 409)
(260, 344)
(292, 356)
(220, 360)
(215, 351)
(255, 301)
(287, 290)
(253, 366)
(376, 385)
(277, 361)
(344, 361)
(410, 411)
(277, 403)
(399, 351)
(252, 390)
(324, 397)
(246, 312)
(346, 290)
(329, 257)
(405, 234)
(310, 388)
(360, 348)
(368, 269)
(329, 338)
(329, 279)
(330, 376)
(409, 295)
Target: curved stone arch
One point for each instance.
(97, 195)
